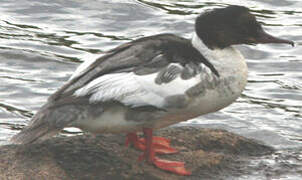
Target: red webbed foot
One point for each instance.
(161, 145)
(149, 155)
(172, 166)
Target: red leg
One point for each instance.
(133, 139)
(161, 145)
(149, 155)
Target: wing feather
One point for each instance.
(136, 90)
(143, 72)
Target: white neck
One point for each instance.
(209, 54)
(222, 59)
(200, 46)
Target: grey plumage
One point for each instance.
(168, 74)
(143, 56)
(44, 124)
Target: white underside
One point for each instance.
(133, 90)
(111, 121)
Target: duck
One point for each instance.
(154, 82)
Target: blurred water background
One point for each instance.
(42, 42)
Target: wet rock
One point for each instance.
(208, 153)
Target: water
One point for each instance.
(42, 42)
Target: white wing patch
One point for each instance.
(135, 90)
(118, 86)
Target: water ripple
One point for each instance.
(42, 42)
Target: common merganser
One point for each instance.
(154, 82)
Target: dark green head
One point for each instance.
(223, 27)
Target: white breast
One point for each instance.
(233, 71)
(227, 61)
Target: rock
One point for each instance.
(208, 153)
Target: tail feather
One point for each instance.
(31, 134)
(46, 123)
